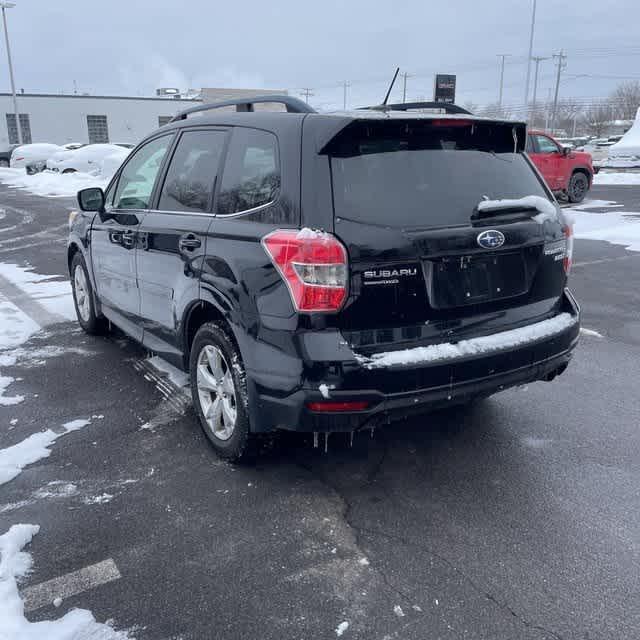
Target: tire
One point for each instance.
(4, 163)
(83, 298)
(219, 392)
(69, 171)
(578, 187)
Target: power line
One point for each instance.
(307, 93)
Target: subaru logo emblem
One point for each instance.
(491, 239)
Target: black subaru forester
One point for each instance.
(329, 272)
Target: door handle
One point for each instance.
(128, 239)
(189, 242)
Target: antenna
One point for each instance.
(386, 98)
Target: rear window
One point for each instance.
(417, 174)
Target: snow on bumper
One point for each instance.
(485, 345)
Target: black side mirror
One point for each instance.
(91, 199)
(566, 151)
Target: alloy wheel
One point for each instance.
(216, 392)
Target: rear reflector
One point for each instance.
(568, 234)
(336, 407)
(314, 266)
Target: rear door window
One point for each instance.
(251, 176)
(192, 173)
(418, 174)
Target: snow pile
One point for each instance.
(544, 206)
(606, 178)
(474, 346)
(15, 563)
(36, 447)
(52, 183)
(616, 228)
(626, 152)
(341, 628)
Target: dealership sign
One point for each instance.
(444, 89)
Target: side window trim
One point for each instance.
(162, 175)
(245, 212)
(134, 151)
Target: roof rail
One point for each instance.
(293, 105)
(448, 107)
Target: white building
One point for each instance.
(79, 118)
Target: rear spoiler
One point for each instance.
(506, 135)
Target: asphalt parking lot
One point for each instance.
(518, 519)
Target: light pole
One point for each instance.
(537, 60)
(533, 25)
(9, 5)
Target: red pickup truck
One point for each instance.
(568, 173)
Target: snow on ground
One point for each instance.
(15, 326)
(51, 183)
(474, 346)
(52, 292)
(77, 624)
(36, 447)
(622, 177)
(617, 228)
(179, 378)
(596, 204)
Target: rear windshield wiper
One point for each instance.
(529, 205)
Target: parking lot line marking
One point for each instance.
(37, 312)
(70, 584)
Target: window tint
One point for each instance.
(417, 175)
(193, 171)
(546, 145)
(252, 174)
(97, 129)
(139, 175)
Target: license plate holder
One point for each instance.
(475, 279)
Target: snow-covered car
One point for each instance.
(72, 146)
(625, 154)
(54, 162)
(110, 164)
(87, 159)
(32, 154)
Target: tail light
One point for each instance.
(568, 257)
(314, 266)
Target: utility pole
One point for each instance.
(533, 25)
(307, 93)
(9, 5)
(404, 85)
(561, 65)
(503, 56)
(345, 85)
(537, 60)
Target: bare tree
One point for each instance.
(469, 105)
(568, 111)
(626, 99)
(494, 110)
(597, 117)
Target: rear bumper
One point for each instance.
(399, 391)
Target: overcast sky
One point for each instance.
(132, 47)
